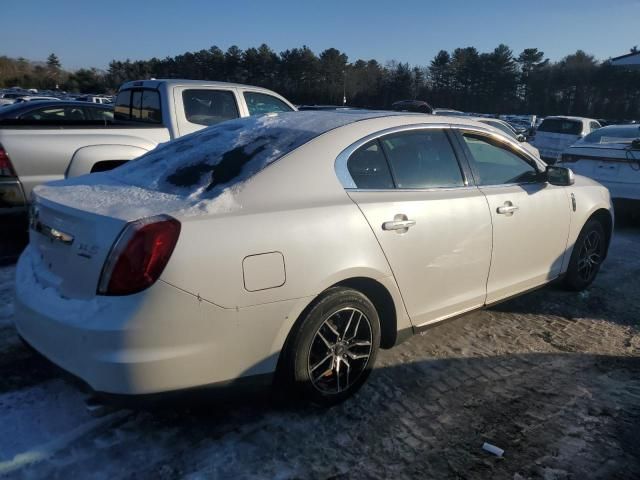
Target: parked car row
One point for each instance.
(11, 96)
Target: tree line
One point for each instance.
(466, 79)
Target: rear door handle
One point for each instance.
(508, 208)
(400, 223)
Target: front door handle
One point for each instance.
(400, 223)
(508, 208)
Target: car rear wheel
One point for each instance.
(587, 256)
(333, 348)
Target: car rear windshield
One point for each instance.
(613, 135)
(206, 162)
(559, 125)
(139, 106)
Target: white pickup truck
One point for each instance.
(146, 113)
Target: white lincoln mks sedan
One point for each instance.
(295, 244)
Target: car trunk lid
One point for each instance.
(74, 225)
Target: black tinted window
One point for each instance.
(122, 110)
(138, 106)
(368, 167)
(496, 164)
(422, 159)
(208, 107)
(259, 103)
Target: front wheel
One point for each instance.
(587, 256)
(334, 347)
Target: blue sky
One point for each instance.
(83, 35)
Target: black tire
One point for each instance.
(588, 252)
(348, 313)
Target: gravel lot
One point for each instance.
(553, 378)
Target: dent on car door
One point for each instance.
(530, 216)
(434, 228)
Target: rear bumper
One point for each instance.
(160, 340)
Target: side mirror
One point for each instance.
(560, 176)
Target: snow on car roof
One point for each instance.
(204, 163)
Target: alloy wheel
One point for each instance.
(590, 255)
(340, 351)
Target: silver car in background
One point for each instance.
(295, 244)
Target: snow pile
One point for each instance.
(100, 194)
(198, 173)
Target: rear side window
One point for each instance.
(594, 126)
(559, 125)
(422, 159)
(495, 164)
(368, 167)
(208, 107)
(141, 106)
(259, 103)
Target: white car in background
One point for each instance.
(555, 134)
(610, 155)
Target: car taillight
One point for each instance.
(568, 158)
(6, 169)
(139, 255)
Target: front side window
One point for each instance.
(208, 107)
(495, 164)
(368, 167)
(259, 103)
(422, 159)
(594, 126)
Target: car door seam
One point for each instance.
(383, 253)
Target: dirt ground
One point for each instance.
(553, 378)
